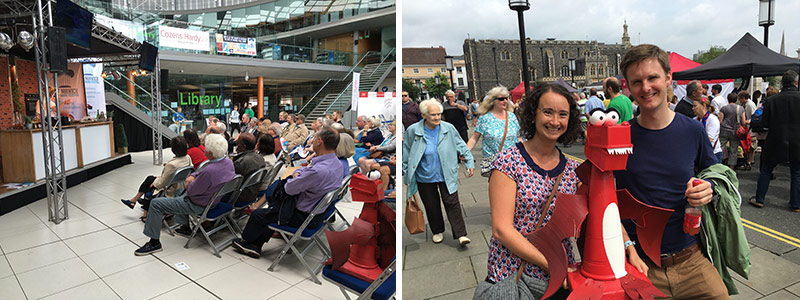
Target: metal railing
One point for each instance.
(349, 86)
(382, 61)
(144, 108)
(314, 98)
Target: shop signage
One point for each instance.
(235, 45)
(194, 99)
(182, 38)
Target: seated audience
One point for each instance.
(196, 149)
(200, 187)
(373, 135)
(155, 184)
(310, 184)
(345, 150)
(386, 149)
(265, 148)
(275, 131)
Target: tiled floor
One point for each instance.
(90, 255)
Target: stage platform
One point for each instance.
(11, 199)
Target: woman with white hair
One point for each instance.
(497, 125)
(430, 163)
(373, 134)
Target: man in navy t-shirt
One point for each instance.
(668, 150)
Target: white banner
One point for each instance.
(95, 89)
(182, 38)
(356, 86)
(378, 104)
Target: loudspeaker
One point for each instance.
(57, 46)
(164, 78)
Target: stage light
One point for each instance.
(25, 40)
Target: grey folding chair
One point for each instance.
(292, 235)
(253, 179)
(218, 212)
(179, 176)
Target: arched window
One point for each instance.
(564, 71)
(530, 56)
(593, 70)
(505, 55)
(532, 74)
(585, 52)
(564, 54)
(601, 70)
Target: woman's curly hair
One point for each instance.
(527, 112)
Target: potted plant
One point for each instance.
(121, 140)
(28, 122)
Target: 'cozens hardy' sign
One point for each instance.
(183, 38)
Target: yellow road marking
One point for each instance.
(749, 224)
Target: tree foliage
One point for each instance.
(705, 56)
(437, 90)
(412, 89)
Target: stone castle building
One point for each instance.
(498, 62)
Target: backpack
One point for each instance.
(279, 200)
(756, 121)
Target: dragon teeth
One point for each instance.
(620, 151)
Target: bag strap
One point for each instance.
(505, 132)
(541, 218)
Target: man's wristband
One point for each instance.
(629, 243)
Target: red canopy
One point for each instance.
(679, 63)
(518, 92)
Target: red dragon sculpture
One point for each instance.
(604, 272)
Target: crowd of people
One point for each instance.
(320, 157)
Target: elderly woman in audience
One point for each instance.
(196, 149)
(200, 187)
(345, 151)
(380, 154)
(275, 131)
(265, 148)
(373, 134)
(154, 184)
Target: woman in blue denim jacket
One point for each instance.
(430, 163)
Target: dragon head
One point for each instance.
(608, 144)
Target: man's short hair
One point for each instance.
(691, 87)
(329, 138)
(716, 87)
(301, 117)
(593, 91)
(744, 94)
(733, 97)
(705, 86)
(449, 92)
(642, 52)
(215, 129)
(266, 144)
(789, 79)
(246, 140)
(613, 84)
(216, 144)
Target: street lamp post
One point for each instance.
(448, 61)
(766, 15)
(520, 6)
(572, 69)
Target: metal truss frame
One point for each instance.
(52, 140)
(155, 109)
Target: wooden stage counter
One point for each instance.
(84, 143)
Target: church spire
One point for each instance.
(783, 44)
(626, 39)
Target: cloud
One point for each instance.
(684, 26)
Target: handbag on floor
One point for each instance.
(415, 221)
(486, 162)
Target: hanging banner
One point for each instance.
(235, 45)
(356, 86)
(94, 89)
(182, 38)
(70, 92)
(378, 104)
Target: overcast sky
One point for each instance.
(683, 26)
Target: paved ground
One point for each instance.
(446, 271)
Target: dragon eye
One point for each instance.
(597, 117)
(612, 117)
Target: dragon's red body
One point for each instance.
(604, 272)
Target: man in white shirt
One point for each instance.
(719, 101)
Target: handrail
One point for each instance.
(349, 85)
(144, 108)
(382, 61)
(169, 109)
(357, 63)
(315, 95)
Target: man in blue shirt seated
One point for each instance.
(669, 149)
(324, 174)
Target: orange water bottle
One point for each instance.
(692, 215)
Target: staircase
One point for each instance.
(137, 113)
(338, 94)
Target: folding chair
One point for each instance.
(213, 214)
(253, 179)
(340, 193)
(178, 177)
(384, 287)
(313, 235)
